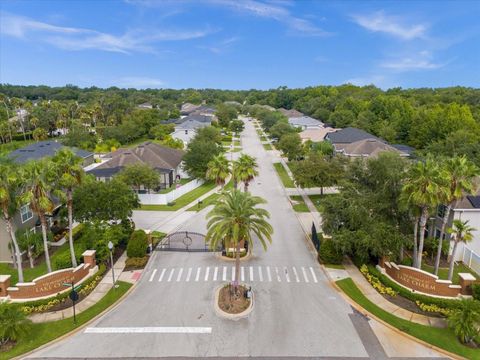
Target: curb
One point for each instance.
(234, 317)
(81, 327)
(363, 311)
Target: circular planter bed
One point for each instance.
(243, 256)
(230, 306)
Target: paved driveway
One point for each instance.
(296, 314)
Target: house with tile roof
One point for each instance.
(305, 122)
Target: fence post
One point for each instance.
(470, 261)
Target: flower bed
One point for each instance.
(375, 282)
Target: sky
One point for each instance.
(240, 44)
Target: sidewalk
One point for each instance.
(98, 293)
(372, 295)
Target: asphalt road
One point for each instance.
(296, 312)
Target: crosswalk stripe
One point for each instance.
(279, 279)
(251, 273)
(215, 273)
(198, 274)
(313, 274)
(305, 274)
(296, 274)
(242, 273)
(233, 273)
(287, 275)
(189, 273)
(269, 274)
(207, 272)
(224, 275)
(161, 275)
(153, 275)
(260, 275)
(179, 276)
(170, 276)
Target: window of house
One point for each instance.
(441, 211)
(186, 132)
(26, 213)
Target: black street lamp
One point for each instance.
(110, 247)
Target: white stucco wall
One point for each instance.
(473, 217)
(185, 137)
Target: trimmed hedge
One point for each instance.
(329, 254)
(138, 244)
(476, 291)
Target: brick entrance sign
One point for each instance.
(421, 281)
(49, 284)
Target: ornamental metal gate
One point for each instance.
(185, 241)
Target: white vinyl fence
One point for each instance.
(163, 199)
(471, 259)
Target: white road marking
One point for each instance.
(189, 273)
(305, 274)
(313, 274)
(260, 275)
(251, 273)
(278, 274)
(287, 275)
(207, 273)
(233, 273)
(224, 275)
(198, 274)
(215, 273)
(180, 274)
(242, 275)
(269, 274)
(296, 274)
(161, 275)
(148, 330)
(170, 276)
(153, 275)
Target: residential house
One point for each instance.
(187, 130)
(366, 148)
(166, 161)
(145, 105)
(204, 110)
(349, 135)
(305, 122)
(25, 218)
(188, 108)
(292, 113)
(316, 134)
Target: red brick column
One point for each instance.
(4, 285)
(89, 258)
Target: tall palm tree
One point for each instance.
(424, 189)
(461, 232)
(218, 169)
(69, 174)
(234, 219)
(36, 192)
(460, 174)
(9, 186)
(246, 169)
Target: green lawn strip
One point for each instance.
(282, 174)
(173, 187)
(300, 205)
(442, 338)
(236, 143)
(443, 272)
(267, 147)
(183, 200)
(263, 138)
(210, 200)
(334, 266)
(43, 333)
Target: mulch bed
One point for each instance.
(409, 305)
(233, 304)
(7, 346)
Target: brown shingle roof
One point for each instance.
(366, 147)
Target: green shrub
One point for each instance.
(136, 262)
(13, 323)
(137, 245)
(329, 254)
(476, 291)
(77, 231)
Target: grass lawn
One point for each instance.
(267, 147)
(182, 200)
(443, 272)
(282, 174)
(442, 338)
(263, 138)
(44, 332)
(334, 266)
(171, 188)
(236, 143)
(211, 199)
(300, 205)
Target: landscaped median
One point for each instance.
(42, 333)
(283, 175)
(183, 200)
(439, 337)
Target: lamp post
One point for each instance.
(110, 247)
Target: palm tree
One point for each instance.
(233, 220)
(424, 189)
(9, 186)
(218, 169)
(13, 323)
(461, 174)
(69, 175)
(461, 232)
(246, 169)
(36, 193)
(465, 320)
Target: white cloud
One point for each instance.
(420, 61)
(138, 82)
(392, 25)
(69, 38)
(221, 46)
(377, 80)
